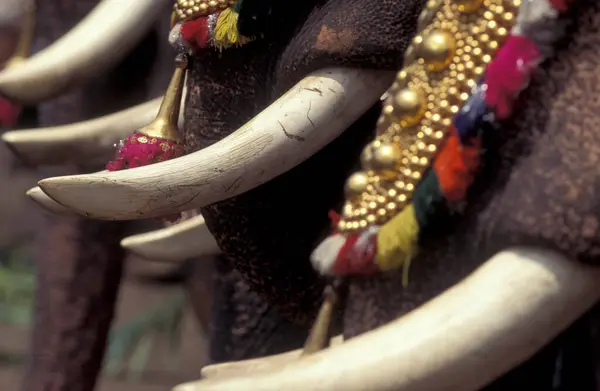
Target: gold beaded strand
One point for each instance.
(187, 10)
(456, 40)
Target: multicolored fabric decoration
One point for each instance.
(218, 29)
(456, 86)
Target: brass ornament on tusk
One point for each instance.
(320, 334)
(165, 124)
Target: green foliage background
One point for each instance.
(130, 344)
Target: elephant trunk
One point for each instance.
(79, 269)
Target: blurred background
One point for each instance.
(145, 351)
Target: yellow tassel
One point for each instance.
(226, 32)
(397, 242)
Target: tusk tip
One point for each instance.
(37, 195)
(174, 244)
(17, 145)
(60, 192)
(139, 247)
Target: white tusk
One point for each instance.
(245, 367)
(496, 318)
(98, 42)
(188, 239)
(46, 202)
(304, 120)
(84, 143)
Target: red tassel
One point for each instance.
(354, 260)
(561, 5)
(140, 150)
(196, 33)
(9, 113)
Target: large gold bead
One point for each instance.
(356, 184)
(468, 6)
(409, 106)
(386, 159)
(437, 50)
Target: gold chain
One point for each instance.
(455, 41)
(187, 10)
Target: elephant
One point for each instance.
(289, 113)
(78, 286)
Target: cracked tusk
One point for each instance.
(37, 195)
(88, 143)
(245, 367)
(188, 239)
(463, 339)
(98, 42)
(304, 120)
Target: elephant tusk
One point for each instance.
(98, 42)
(254, 365)
(37, 195)
(463, 339)
(19, 15)
(88, 143)
(188, 239)
(304, 120)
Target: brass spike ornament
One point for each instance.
(159, 140)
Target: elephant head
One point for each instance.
(274, 128)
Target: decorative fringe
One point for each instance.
(455, 166)
(196, 34)
(226, 30)
(397, 241)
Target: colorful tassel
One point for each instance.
(509, 73)
(219, 30)
(196, 33)
(226, 31)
